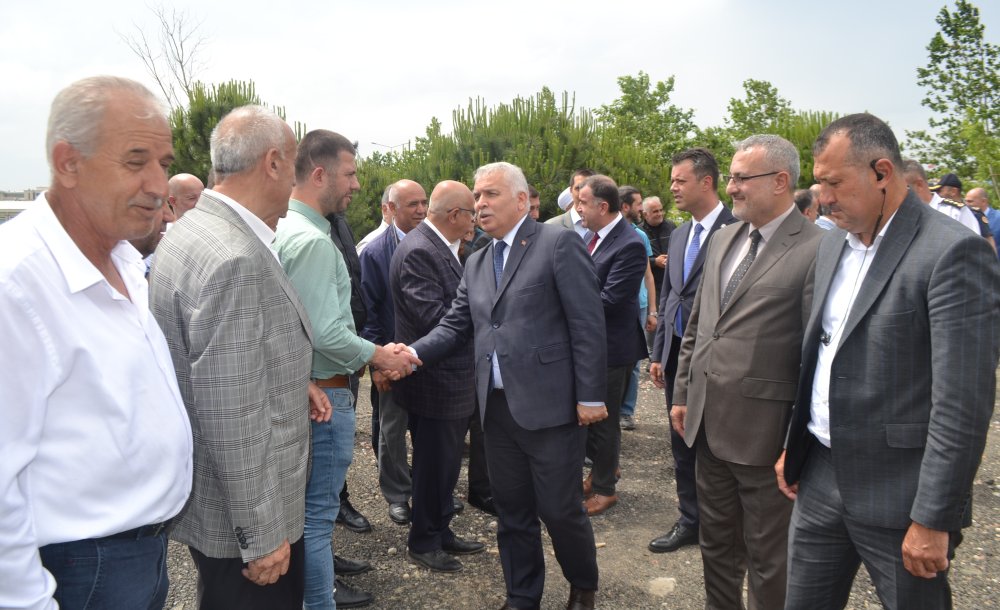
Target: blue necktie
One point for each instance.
(498, 249)
(689, 258)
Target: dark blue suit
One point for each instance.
(440, 398)
(678, 293)
(620, 262)
(546, 325)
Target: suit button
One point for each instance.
(244, 546)
(715, 336)
(496, 325)
(238, 530)
(681, 299)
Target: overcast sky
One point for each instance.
(378, 70)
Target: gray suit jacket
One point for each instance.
(545, 322)
(738, 368)
(914, 377)
(241, 345)
(563, 220)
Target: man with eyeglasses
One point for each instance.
(737, 372)
(439, 399)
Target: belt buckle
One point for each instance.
(159, 528)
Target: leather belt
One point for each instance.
(145, 531)
(337, 381)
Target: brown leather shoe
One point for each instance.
(597, 504)
(580, 599)
(588, 487)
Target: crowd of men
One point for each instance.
(184, 362)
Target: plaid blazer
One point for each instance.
(241, 345)
(423, 278)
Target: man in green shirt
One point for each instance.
(325, 180)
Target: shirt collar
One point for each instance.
(768, 230)
(452, 245)
(603, 231)
(261, 230)
(509, 237)
(314, 217)
(856, 244)
(399, 232)
(77, 270)
(574, 215)
(709, 220)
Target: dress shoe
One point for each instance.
(349, 567)
(348, 597)
(597, 504)
(399, 512)
(507, 606)
(456, 505)
(580, 599)
(678, 536)
(627, 422)
(437, 560)
(483, 503)
(458, 546)
(352, 519)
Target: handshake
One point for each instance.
(392, 362)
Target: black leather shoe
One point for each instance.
(580, 599)
(483, 503)
(456, 505)
(349, 567)
(349, 597)
(437, 560)
(399, 512)
(678, 536)
(352, 519)
(462, 547)
(507, 606)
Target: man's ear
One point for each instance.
(66, 164)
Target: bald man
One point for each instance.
(978, 199)
(184, 191)
(424, 277)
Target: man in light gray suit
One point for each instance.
(241, 345)
(737, 370)
(897, 385)
(531, 301)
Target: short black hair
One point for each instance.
(870, 138)
(320, 148)
(803, 199)
(625, 194)
(703, 162)
(586, 172)
(532, 192)
(605, 189)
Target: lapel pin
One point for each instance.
(524, 242)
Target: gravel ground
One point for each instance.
(631, 576)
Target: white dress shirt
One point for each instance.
(94, 433)
(603, 232)
(736, 255)
(367, 239)
(962, 214)
(452, 245)
(577, 222)
(706, 225)
(847, 281)
(259, 228)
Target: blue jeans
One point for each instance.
(109, 573)
(332, 450)
(632, 390)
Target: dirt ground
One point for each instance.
(631, 576)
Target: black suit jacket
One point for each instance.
(544, 322)
(620, 263)
(675, 292)
(379, 324)
(424, 276)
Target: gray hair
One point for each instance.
(512, 175)
(77, 111)
(911, 167)
(651, 199)
(779, 153)
(242, 137)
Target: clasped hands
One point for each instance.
(392, 362)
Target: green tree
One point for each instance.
(758, 112)
(962, 83)
(644, 113)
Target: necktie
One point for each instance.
(741, 269)
(689, 257)
(593, 243)
(498, 250)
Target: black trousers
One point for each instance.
(604, 439)
(222, 586)
(535, 474)
(437, 459)
(684, 456)
(479, 477)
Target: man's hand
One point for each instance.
(590, 415)
(394, 360)
(320, 408)
(661, 261)
(656, 374)
(677, 415)
(269, 568)
(790, 491)
(651, 322)
(381, 381)
(925, 551)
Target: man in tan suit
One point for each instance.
(738, 369)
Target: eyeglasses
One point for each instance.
(739, 180)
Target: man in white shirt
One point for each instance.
(96, 442)
(388, 215)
